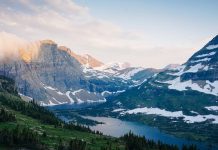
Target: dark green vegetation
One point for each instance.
(20, 136)
(148, 95)
(134, 142)
(189, 88)
(203, 131)
(75, 118)
(154, 94)
(27, 125)
(172, 100)
(6, 115)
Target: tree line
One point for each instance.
(26, 137)
(20, 137)
(35, 111)
(134, 142)
(6, 115)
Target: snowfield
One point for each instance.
(206, 55)
(169, 114)
(128, 75)
(200, 60)
(194, 69)
(208, 88)
(50, 103)
(210, 47)
(68, 95)
(118, 110)
(213, 108)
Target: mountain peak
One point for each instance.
(215, 39)
(47, 41)
(171, 66)
(64, 48)
(90, 61)
(213, 44)
(86, 60)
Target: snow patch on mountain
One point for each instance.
(213, 108)
(200, 60)
(49, 87)
(25, 98)
(206, 55)
(210, 47)
(68, 95)
(170, 114)
(113, 67)
(128, 75)
(50, 103)
(194, 68)
(179, 70)
(118, 110)
(106, 93)
(60, 93)
(209, 87)
(77, 91)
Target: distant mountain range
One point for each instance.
(56, 75)
(183, 96)
(191, 88)
(180, 99)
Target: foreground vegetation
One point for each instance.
(29, 126)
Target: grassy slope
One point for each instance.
(54, 134)
(8, 92)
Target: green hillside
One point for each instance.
(26, 125)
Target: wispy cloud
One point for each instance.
(12, 47)
(72, 25)
(64, 21)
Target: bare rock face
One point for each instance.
(206, 63)
(48, 77)
(58, 69)
(86, 60)
(55, 75)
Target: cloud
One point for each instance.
(59, 18)
(12, 47)
(72, 25)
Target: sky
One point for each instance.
(148, 33)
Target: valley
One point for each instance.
(108, 75)
(180, 101)
(26, 125)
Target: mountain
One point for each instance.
(46, 77)
(200, 72)
(54, 75)
(134, 75)
(26, 125)
(195, 79)
(170, 66)
(85, 60)
(185, 97)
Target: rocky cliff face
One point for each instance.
(185, 94)
(192, 86)
(85, 60)
(199, 73)
(50, 78)
(205, 63)
(55, 75)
